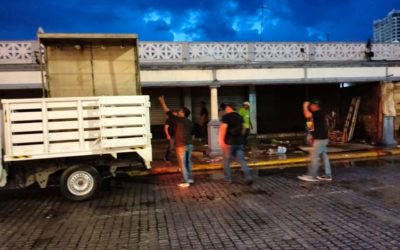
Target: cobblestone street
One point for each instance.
(358, 210)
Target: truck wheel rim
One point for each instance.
(80, 183)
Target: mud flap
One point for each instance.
(3, 176)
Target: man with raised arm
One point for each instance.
(183, 140)
(316, 124)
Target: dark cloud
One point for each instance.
(203, 20)
(161, 31)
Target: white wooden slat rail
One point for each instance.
(123, 115)
(75, 126)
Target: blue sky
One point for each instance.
(201, 20)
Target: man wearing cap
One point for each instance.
(244, 112)
(317, 126)
(231, 142)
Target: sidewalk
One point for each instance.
(264, 156)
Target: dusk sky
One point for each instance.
(205, 20)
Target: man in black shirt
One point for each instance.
(183, 140)
(169, 130)
(317, 126)
(231, 140)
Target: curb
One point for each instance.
(276, 163)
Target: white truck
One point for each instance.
(74, 141)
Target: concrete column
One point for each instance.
(3, 172)
(214, 102)
(187, 100)
(389, 113)
(185, 52)
(253, 108)
(213, 126)
(388, 131)
(251, 56)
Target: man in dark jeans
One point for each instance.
(169, 130)
(231, 141)
(183, 140)
(244, 112)
(203, 122)
(317, 126)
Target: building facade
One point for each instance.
(387, 30)
(274, 77)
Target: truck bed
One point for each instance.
(74, 126)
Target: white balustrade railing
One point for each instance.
(23, 52)
(16, 52)
(210, 52)
(281, 52)
(339, 51)
(162, 51)
(264, 52)
(386, 51)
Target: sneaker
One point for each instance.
(228, 180)
(190, 181)
(324, 178)
(184, 185)
(307, 178)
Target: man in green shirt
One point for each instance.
(244, 112)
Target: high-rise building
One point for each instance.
(387, 30)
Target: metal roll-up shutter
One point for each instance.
(172, 98)
(200, 94)
(235, 95)
(229, 94)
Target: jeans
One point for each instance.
(319, 149)
(170, 146)
(246, 135)
(235, 150)
(204, 132)
(184, 156)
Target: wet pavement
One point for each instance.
(358, 210)
(262, 152)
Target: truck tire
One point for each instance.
(80, 182)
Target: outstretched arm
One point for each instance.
(222, 132)
(163, 104)
(306, 111)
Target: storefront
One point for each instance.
(279, 107)
(176, 96)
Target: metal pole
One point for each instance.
(262, 21)
(40, 55)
